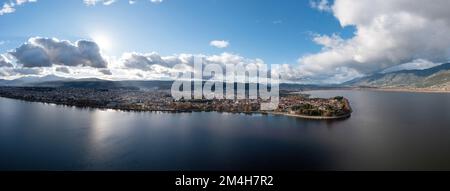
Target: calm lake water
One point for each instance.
(387, 131)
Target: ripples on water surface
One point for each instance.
(387, 131)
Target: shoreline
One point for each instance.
(381, 90)
(404, 90)
(174, 111)
(312, 117)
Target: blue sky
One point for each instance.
(275, 31)
(316, 41)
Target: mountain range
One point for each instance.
(432, 78)
(436, 78)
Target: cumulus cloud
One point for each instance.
(19, 72)
(152, 64)
(48, 56)
(219, 43)
(4, 61)
(388, 33)
(9, 7)
(146, 61)
(45, 52)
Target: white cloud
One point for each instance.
(152, 64)
(94, 2)
(9, 7)
(321, 5)
(20, 2)
(49, 56)
(156, 1)
(388, 33)
(328, 42)
(146, 61)
(45, 52)
(219, 43)
(418, 64)
(12, 73)
(4, 61)
(109, 2)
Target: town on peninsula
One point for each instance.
(290, 104)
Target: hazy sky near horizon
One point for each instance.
(317, 41)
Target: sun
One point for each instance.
(103, 41)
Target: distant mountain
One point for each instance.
(150, 84)
(56, 81)
(31, 80)
(48, 78)
(433, 78)
(106, 84)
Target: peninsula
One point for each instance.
(291, 104)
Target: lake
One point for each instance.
(387, 131)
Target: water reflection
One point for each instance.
(400, 131)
